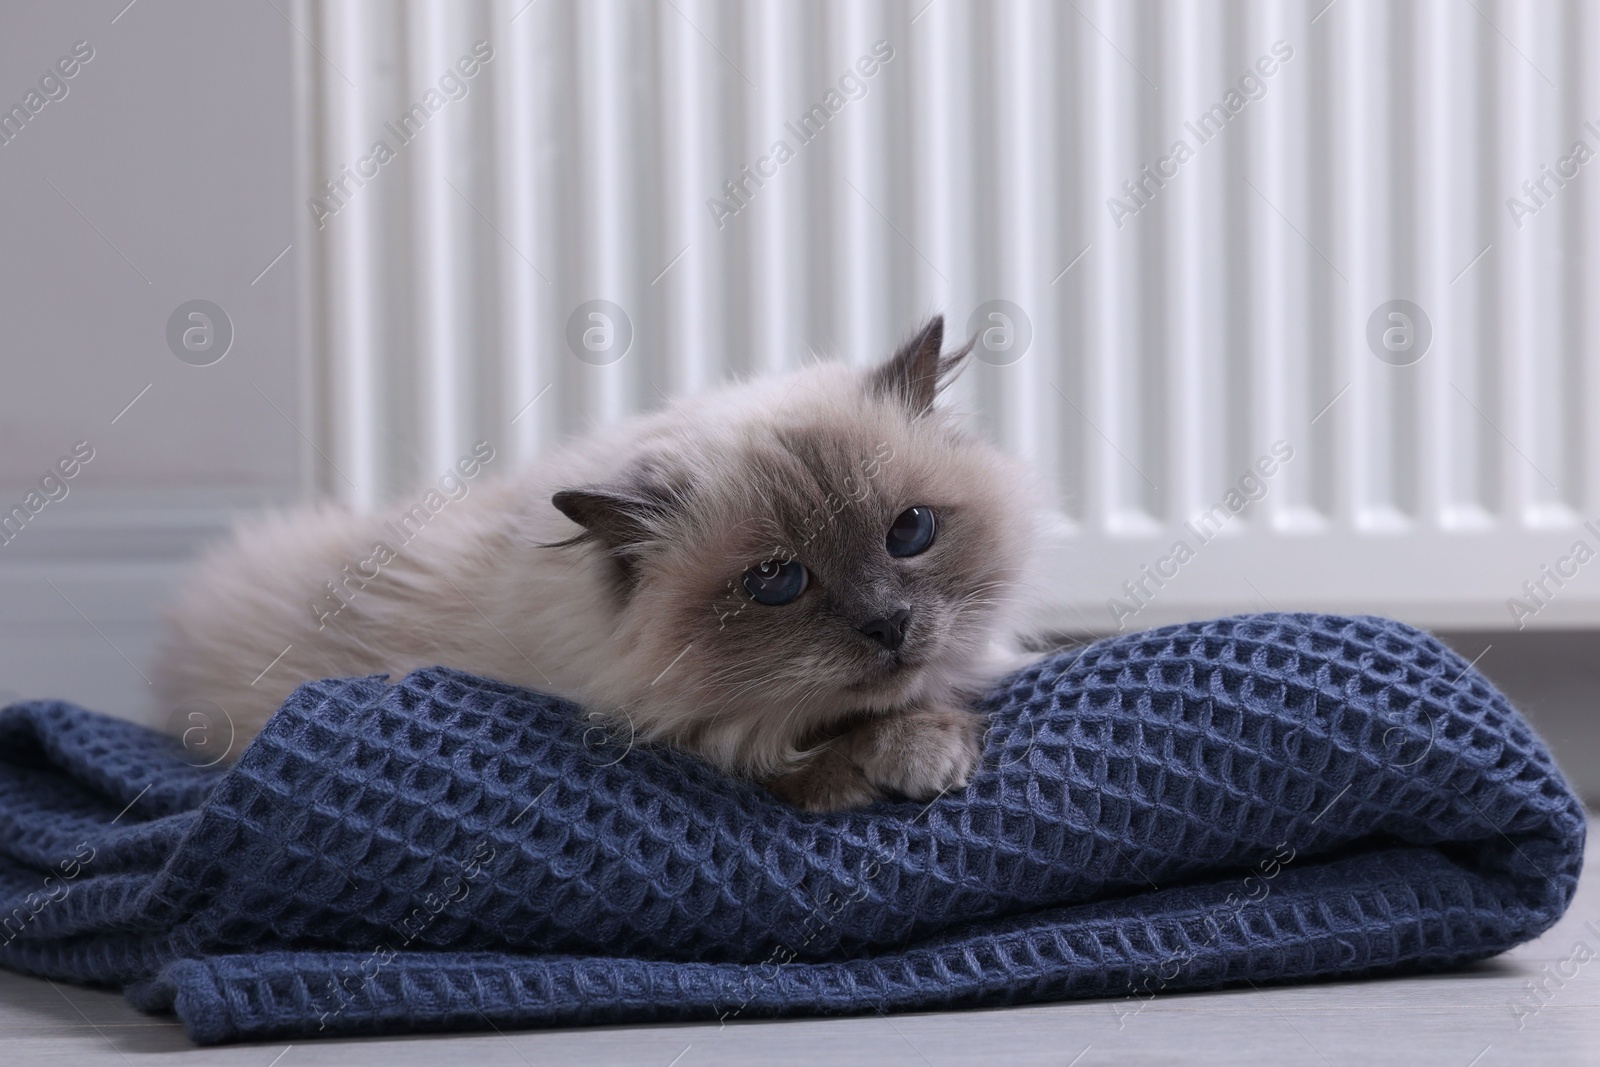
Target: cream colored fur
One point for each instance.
(682, 655)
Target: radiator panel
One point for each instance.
(1180, 324)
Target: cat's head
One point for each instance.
(786, 554)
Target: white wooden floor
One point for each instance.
(1457, 1020)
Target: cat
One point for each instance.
(804, 580)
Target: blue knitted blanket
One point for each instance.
(1261, 798)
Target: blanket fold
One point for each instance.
(1262, 798)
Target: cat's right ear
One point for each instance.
(619, 519)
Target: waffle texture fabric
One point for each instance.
(1264, 798)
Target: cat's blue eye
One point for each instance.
(775, 582)
(911, 533)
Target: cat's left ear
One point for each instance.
(916, 374)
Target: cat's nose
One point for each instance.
(890, 630)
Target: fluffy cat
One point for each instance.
(802, 579)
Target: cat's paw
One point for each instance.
(920, 752)
(830, 781)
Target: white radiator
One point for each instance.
(1182, 311)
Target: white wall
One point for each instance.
(162, 176)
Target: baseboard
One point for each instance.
(82, 589)
(82, 586)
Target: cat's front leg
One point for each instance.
(828, 781)
(918, 752)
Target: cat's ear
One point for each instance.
(619, 517)
(915, 374)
